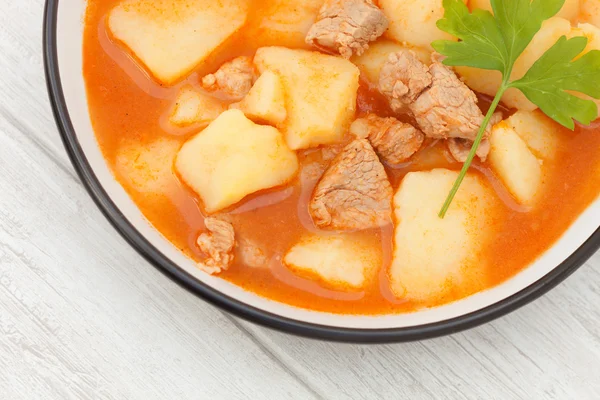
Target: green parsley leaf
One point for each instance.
(520, 20)
(495, 42)
(481, 45)
(546, 82)
(492, 41)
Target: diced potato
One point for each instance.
(591, 32)
(266, 100)
(320, 93)
(488, 82)
(480, 80)
(372, 60)
(148, 167)
(232, 158)
(340, 260)
(433, 256)
(538, 131)
(414, 21)
(569, 11)
(194, 107)
(515, 164)
(172, 37)
(286, 22)
(590, 11)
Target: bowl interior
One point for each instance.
(547, 271)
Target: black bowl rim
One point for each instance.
(245, 311)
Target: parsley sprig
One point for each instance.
(495, 42)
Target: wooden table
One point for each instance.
(82, 316)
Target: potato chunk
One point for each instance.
(538, 131)
(172, 37)
(148, 167)
(433, 256)
(320, 94)
(414, 21)
(372, 60)
(232, 158)
(590, 11)
(569, 11)
(515, 164)
(286, 22)
(488, 82)
(195, 107)
(591, 32)
(266, 100)
(342, 261)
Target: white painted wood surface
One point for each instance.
(82, 316)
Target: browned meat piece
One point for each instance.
(347, 26)
(448, 108)
(361, 128)
(496, 118)
(354, 193)
(311, 172)
(403, 78)
(437, 57)
(217, 244)
(460, 148)
(252, 255)
(329, 152)
(442, 104)
(234, 78)
(394, 141)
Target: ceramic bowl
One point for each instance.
(63, 34)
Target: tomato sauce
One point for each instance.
(128, 106)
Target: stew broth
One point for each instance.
(128, 106)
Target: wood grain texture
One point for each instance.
(82, 316)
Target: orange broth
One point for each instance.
(126, 105)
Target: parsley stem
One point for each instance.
(473, 151)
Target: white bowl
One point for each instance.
(63, 35)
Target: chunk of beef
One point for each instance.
(329, 152)
(311, 172)
(460, 148)
(443, 106)
(496, 118)
(347, 26)
(354, 192)
(217, 244)
(394, 141)
(252, 255)
(234, 78)
(437, 57)
(448, 108)
(403, 78)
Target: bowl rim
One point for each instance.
(238, 308)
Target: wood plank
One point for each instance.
(22, 84)
(83, 316)
(549, 349)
